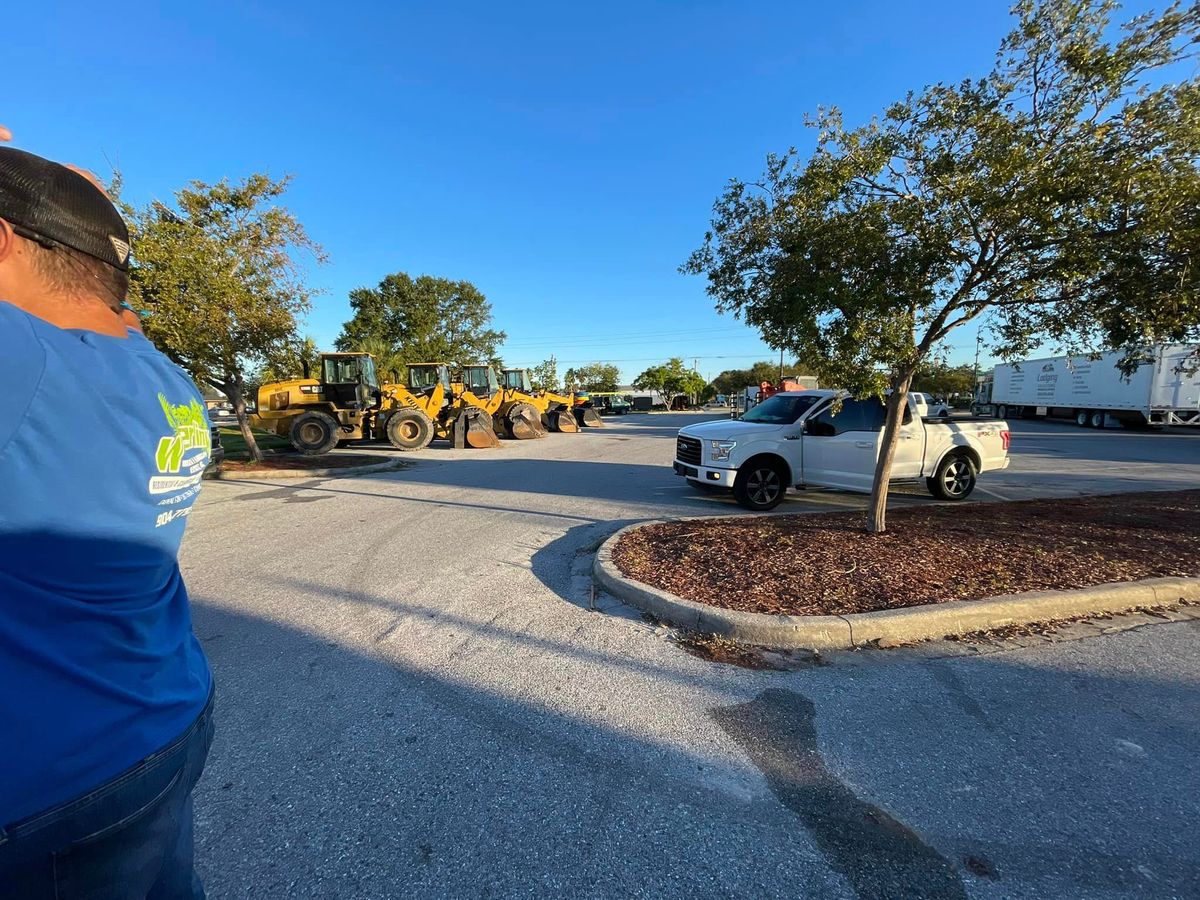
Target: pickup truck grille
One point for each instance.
(687, 449)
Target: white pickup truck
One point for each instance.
(794, 438)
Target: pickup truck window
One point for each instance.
(855, 415)
(780, 410)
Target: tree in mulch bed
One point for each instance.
(1053, 199)
(826, 564)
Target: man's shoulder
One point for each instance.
(175, 379)
(18, 336)
(22, 365)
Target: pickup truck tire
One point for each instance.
(760, 485)
(954, 478)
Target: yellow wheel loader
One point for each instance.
(554, 410)
(479, 388)
(347, 403)
(418, 409)
(463, 424)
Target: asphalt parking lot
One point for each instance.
(420, 696)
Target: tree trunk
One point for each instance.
(232, 386)
(896, 402)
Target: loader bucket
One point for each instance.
(523, 423)
(560, 419)
(588, 417)
(480, 433)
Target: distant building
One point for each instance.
(642, 400)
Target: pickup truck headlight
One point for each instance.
(720, 449)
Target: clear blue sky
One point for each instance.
(564, 157)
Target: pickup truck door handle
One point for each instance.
(907, 437)
(865, 445)
(791, 437)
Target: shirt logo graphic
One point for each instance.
(174, 453)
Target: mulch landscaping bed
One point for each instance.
(826, 564)
(300, 461)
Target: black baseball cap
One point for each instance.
(47, 203)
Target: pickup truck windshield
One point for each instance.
(780, 410)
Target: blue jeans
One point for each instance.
(129, 838)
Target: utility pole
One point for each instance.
(975, 372)
(781, 365)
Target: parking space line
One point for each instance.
(992, 493)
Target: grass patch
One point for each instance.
(235, 445)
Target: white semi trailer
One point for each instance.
(1164, 389)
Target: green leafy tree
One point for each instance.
(544, 376)
(595, 376)
(220, 282)
(298, 359)
(423, 319)
(936, 377)
(671, 379)
(733, 380)
(1058, 196)
(690, 384)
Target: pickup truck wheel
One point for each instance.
(954, 478)
(760, 486)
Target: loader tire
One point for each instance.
(409, 430)
(314, 433)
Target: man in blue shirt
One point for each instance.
(105, 695)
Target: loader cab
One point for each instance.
(480, 381)
(517, 380)
(424, 378)
(349, 380)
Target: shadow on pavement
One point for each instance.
(341, 774)
(583, 480)
(338, 772)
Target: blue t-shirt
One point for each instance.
(102, 445)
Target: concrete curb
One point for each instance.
(898, 626)
(328, 472)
